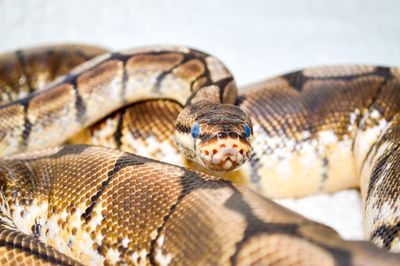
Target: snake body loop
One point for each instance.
(316, 130)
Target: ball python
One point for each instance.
(316, 130)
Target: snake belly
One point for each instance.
(290, 121)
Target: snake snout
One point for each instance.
(224, 154)
(228, 153)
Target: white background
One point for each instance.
(256, 39)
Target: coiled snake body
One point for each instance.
(315, 130)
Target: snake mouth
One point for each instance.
(224, 154)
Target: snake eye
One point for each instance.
(195, 131)
(247, 130)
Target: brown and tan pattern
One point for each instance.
(317, 130)
(95, 206)
(25, 71)
(101, 86)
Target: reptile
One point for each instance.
(316, 130)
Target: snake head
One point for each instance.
(216, 136)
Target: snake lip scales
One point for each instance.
(225, 153)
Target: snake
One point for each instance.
(73, 192)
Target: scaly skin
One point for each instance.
(316, 130)
(98, 205)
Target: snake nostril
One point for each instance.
(215, 151)
(241, 151)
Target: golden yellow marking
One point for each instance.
(217, 70)
(230, 93)
(153, 63)
(190, 70)
(210, 93)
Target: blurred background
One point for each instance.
(256, 39)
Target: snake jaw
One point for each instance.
(224, 154)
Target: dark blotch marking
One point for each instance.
(123, 161)
(118, 56)
(296, 80)
(124, 82)
(100, 250)
(240, 99)
(383, 72)
(388, 233)
(118, 132)
(36, 229)
(369, 107)
(255, 166)
(19, 54)
(69, 149)
(197, 79)
(206, 136)
(325, 162)
(182, 128)
(256, 226)
(190, 182)
(376, 173)
(26, 132)
(222, 85)
(57, 63)
(377, 170)
(378, 94)
(222, 135)
(124, 59)
(325, 165)
(161, 77)
(80, 104)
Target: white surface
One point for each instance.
(256, 39)
(341, 210)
